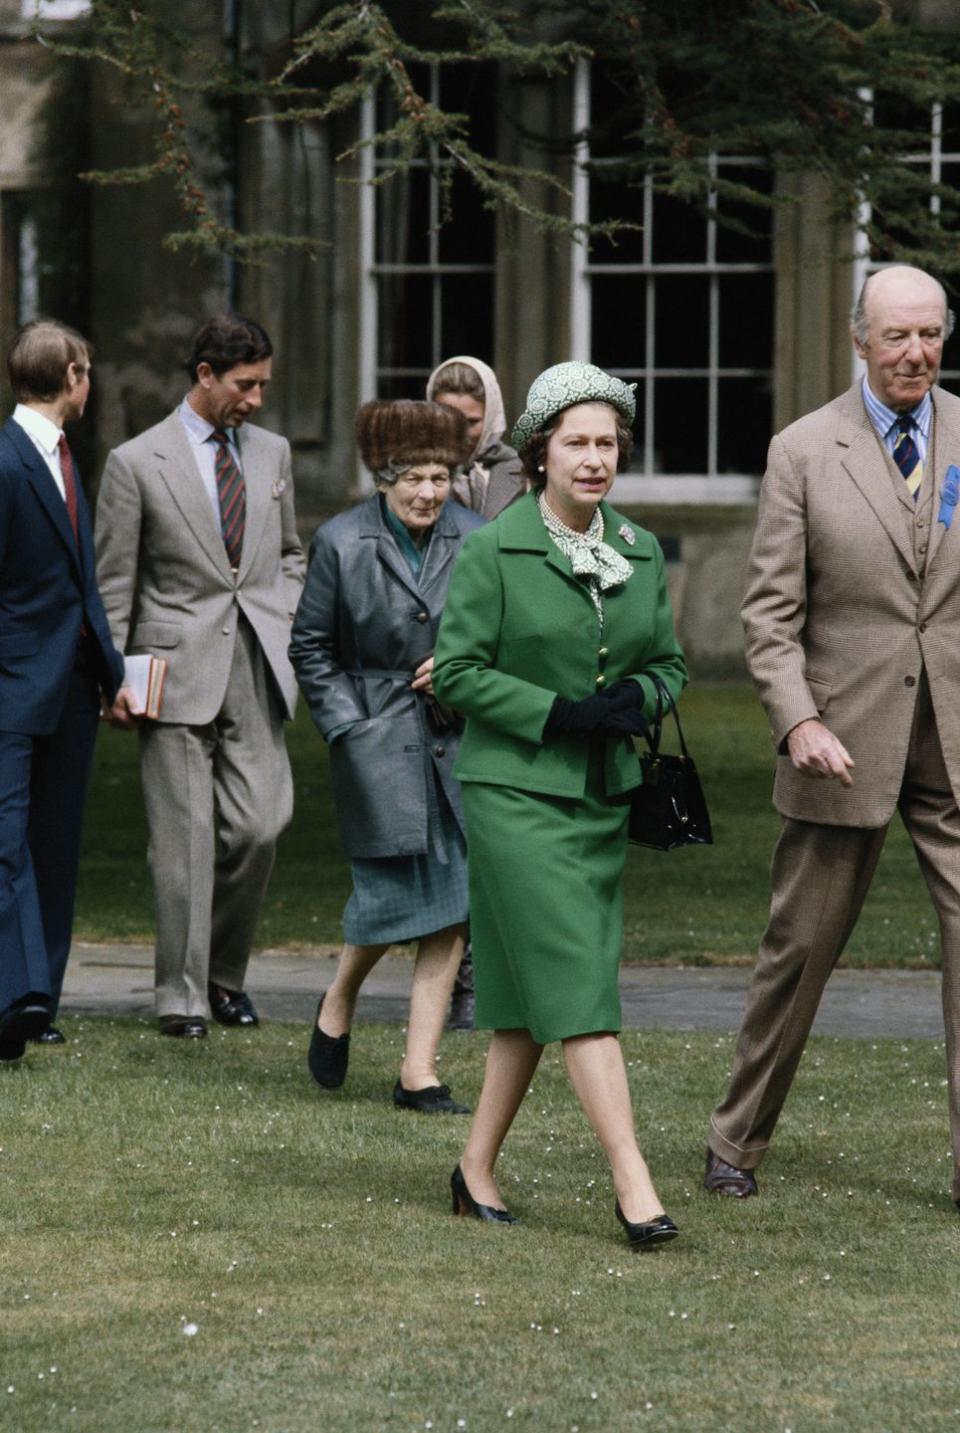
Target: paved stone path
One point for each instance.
(285, 985)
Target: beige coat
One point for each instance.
(853, 591)
(163, 571)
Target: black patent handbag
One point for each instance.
(669, 809)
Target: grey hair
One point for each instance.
(860, 324)
(392, 472)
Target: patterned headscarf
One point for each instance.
(561, 387)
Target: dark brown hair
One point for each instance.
(534, 453)
(41, 354)
(459, 378)
(225, 341)
(404, 433)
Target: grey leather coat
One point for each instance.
(363, 626)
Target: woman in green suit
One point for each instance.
(556, 620)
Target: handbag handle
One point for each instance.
(663, 696)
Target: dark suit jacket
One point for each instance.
(47, 590)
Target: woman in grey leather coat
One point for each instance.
(362, 648)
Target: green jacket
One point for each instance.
(519, 628)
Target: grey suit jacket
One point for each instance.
(162, 567)
(364, 625)
(840, 615)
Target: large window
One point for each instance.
(427, 256)
(683, 306)
(43, 255)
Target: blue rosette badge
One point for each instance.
(949, 495)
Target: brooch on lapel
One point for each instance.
(279, 487)
(627, 533)
(949, 495)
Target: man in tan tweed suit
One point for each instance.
(852, 621)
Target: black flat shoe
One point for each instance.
(465, 1204)
(328, 1056)
(434, 1100)
(231, 1007)
(649, 1235)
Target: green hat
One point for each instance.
(561, 387)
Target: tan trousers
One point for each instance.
(820, 878)
(217, 798)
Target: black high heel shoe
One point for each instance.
(328, 1055)
(649, 1235)
(464, 1203)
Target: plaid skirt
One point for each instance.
(400, 898)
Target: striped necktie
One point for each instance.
(907, 456)
(232, 494)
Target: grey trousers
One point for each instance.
(217, 797)
(820, 878)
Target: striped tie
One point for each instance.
(907, 456)
(233, 498)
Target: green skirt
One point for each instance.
(546, 909)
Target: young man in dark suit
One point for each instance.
(56, 657)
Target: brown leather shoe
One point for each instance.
(723, 1178)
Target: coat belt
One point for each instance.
(380, 672)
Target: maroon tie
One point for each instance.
(69, 484)
(68, 473)
(233, 498)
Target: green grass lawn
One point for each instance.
(196, 1238)
(694, 906)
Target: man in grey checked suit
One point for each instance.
(199, 562)
(852, 622)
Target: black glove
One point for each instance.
(615, 711)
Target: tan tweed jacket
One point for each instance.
(851, 593)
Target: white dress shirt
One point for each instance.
(45, 437)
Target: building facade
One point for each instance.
(727, 334)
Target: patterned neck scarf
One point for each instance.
(587, 553)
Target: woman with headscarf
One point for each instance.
(362, 647)
(490, 480)
(492, 476)
(556, 623)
